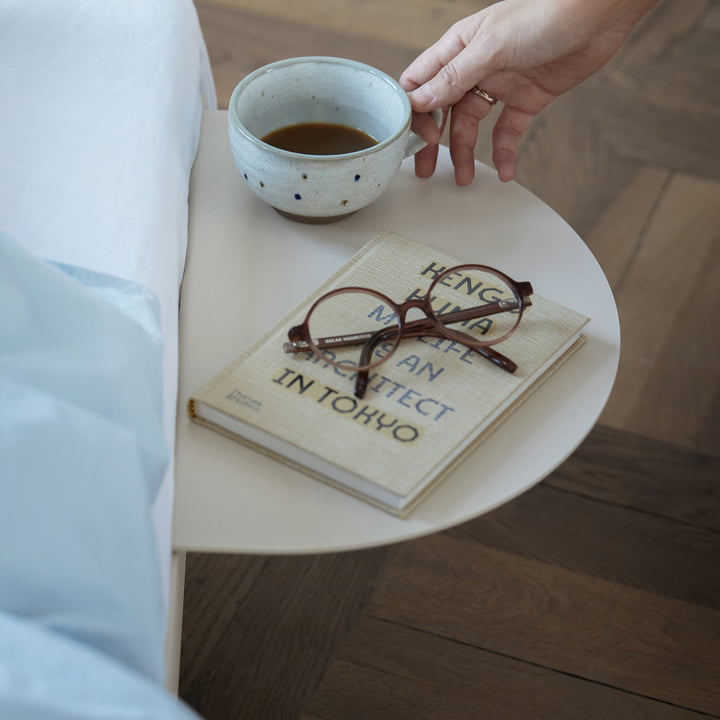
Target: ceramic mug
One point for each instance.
(313, 187)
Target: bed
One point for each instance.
(99, 124)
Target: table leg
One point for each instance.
(175, 613)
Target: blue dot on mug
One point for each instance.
(298, 196)
(357, 177)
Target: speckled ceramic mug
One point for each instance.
(320, 188)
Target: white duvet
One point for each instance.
(100, 110)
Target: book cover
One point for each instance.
(424, 409)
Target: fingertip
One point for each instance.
(464, 173)
(504, 160)
(507, 138)
(505, 175)
(463, 160)
(407, 83)
(421, 99)
(505, 169)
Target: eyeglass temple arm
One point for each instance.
(298, 343)
(485, 350)
(421, 328)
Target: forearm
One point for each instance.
(604, 15)
(528, 33)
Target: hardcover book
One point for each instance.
(423, 409)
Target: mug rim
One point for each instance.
(237, 125)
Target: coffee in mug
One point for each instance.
(320, 139)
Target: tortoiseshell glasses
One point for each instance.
(475, 306)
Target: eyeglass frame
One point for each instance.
(433, 325)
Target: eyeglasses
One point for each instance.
(475, 306)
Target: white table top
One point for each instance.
(248, 266)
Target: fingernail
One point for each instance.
(506, 172)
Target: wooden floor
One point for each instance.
(597, 593)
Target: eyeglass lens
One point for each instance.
(353, 313)
(475, 287)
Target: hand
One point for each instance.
(525, 53)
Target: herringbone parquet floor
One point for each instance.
(597, 593)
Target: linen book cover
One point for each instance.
(425, 407)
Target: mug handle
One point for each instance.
(415, 142)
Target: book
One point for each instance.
(425, 408)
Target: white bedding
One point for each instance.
(99, 123)
(100, 110)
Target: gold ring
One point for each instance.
(484, 95)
